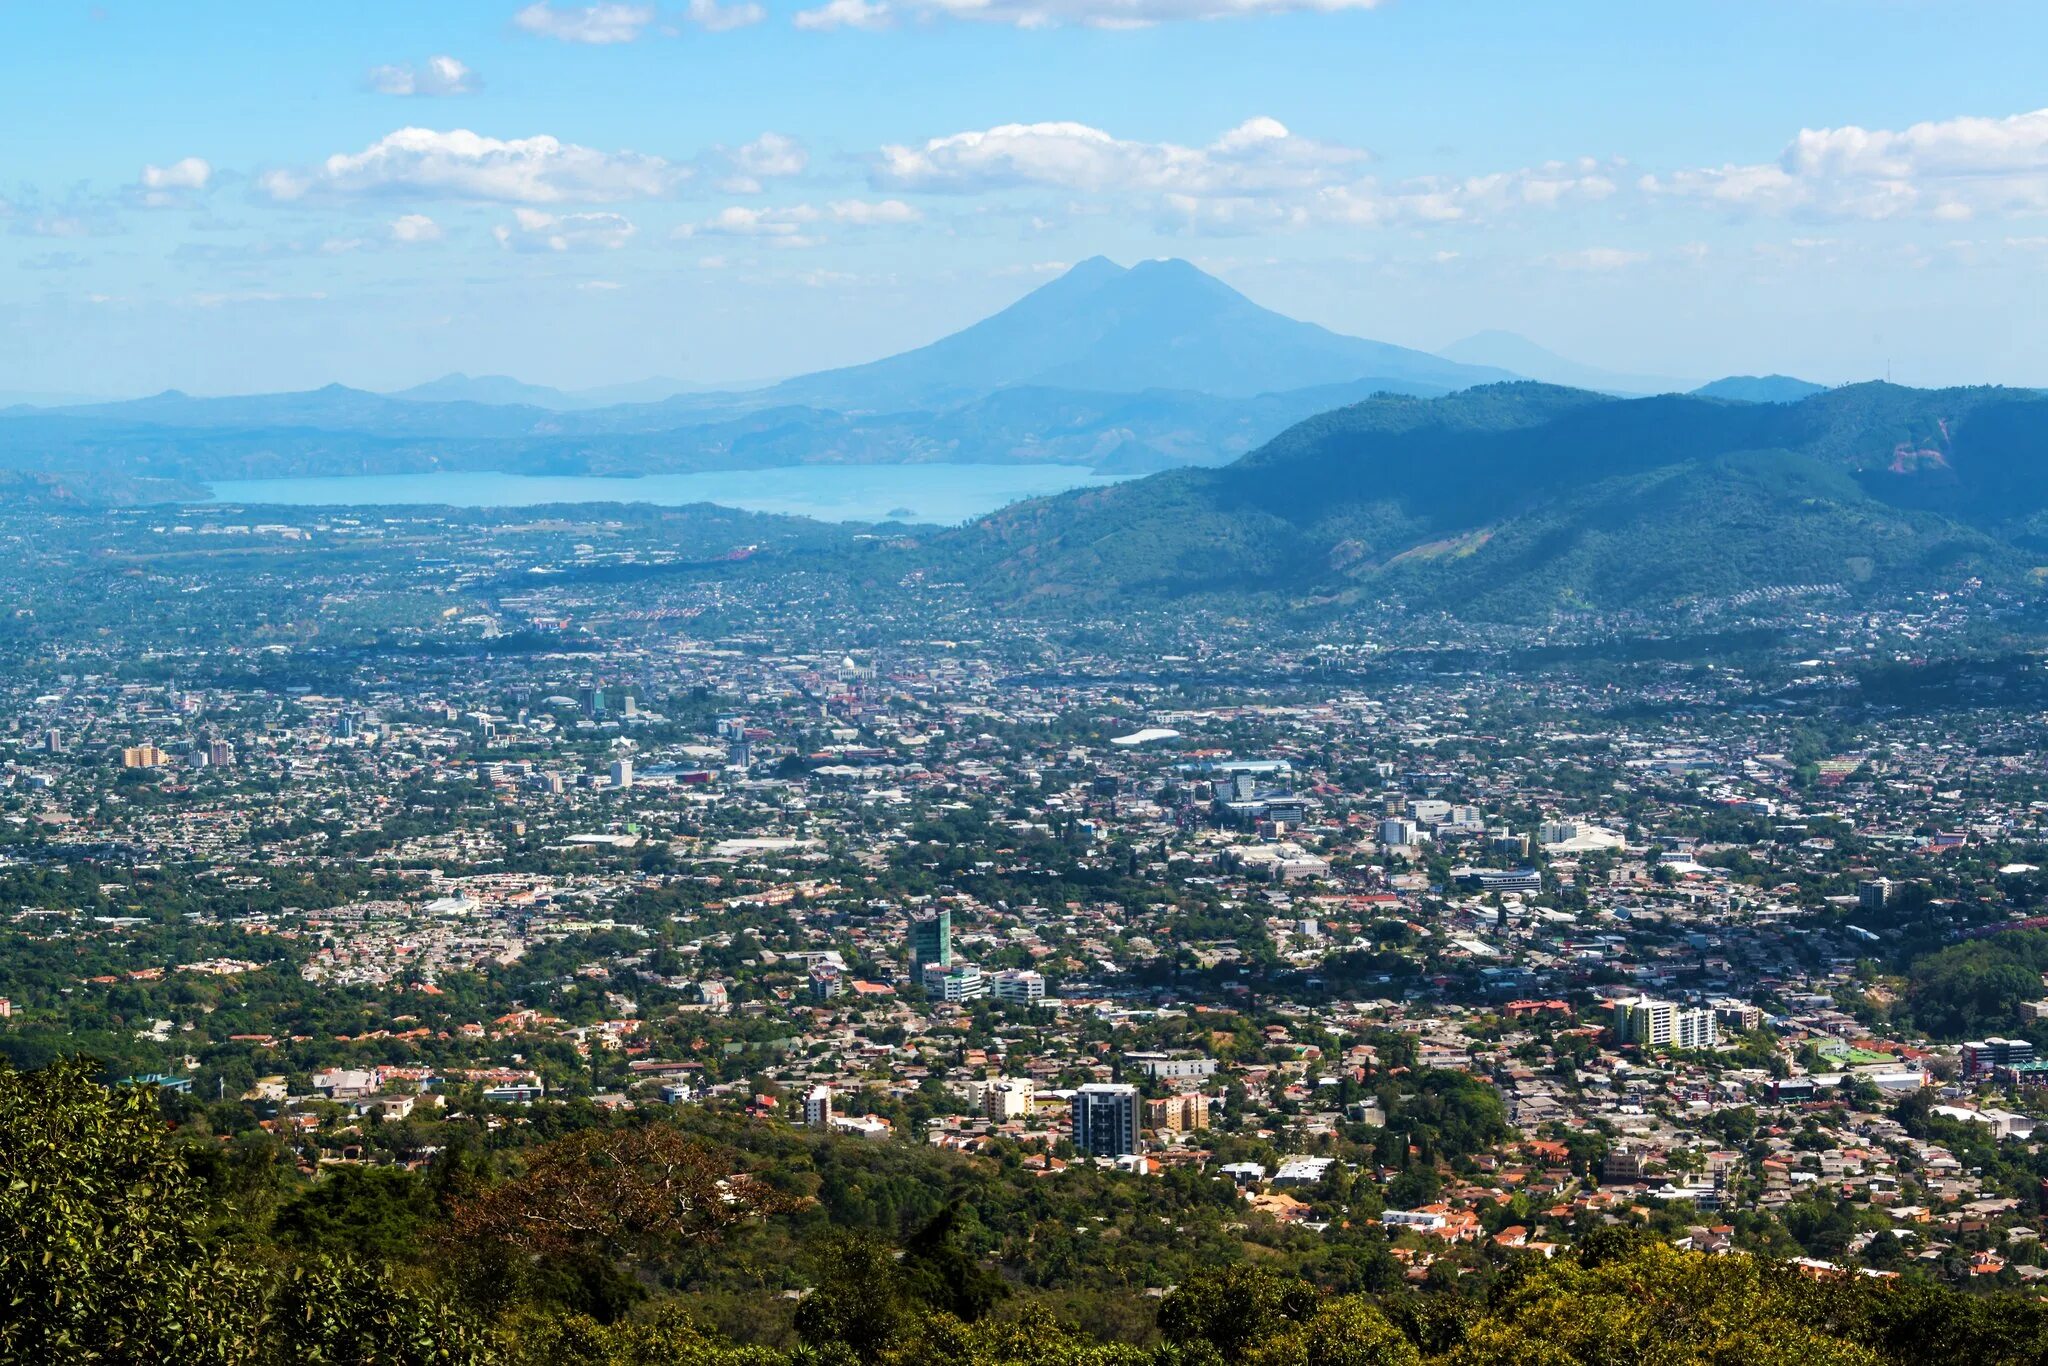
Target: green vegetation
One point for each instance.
(121, 1241)
(1515, 499)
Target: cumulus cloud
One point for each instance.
(1057, 13)
(847, 14)
(175, 183)
(533, 230)
(772, 156)
(460, 164)
(713, 17)
(1259, 155)
(784, 227)
(593, 24)
(1952, 169)
(796, 225)
(1257, 177)
(415, 227)
(440, 75)
(872, 213)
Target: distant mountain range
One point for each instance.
(1519, 356)
(1513, 501)
(1120, 370)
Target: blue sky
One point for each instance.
(229, 198)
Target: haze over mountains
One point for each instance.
(1286, 460)
(1121, 370)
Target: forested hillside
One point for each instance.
(1519, 498)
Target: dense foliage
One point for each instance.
(119, 1242)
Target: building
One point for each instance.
(1182, 1114)
(622, 773)
(220, 754)
(1664, 1024)
(1875, 894)
(1019, 986)
(957, 982)
(818, 1108)
(931, 942)
(1980, 1057)
(827, 982)
(1396, 832)
(1170, 1066)
(1005, 1098)
(143, 756)
(1527, 881)
(1302, 1171)
(1106, 1119)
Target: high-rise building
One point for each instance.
(1182, 1114)
(220, 754)
(827, 982)
(1664, 1024)
(931, 942)
(1106, 1119)
(1005, 1098)
(143, 756)
(629, 706)
(622, 773)
(818, 1108)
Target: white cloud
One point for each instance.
(188, 174)
(785, 227)
(460, 164)
(593, 24)
(600, 286)
(415, 227)
(772, 154)
(1032, 14)
(796, 225)
(1259, 155)
(847, 14)
(870, 214)
(175, 183)
(533, 230)
(1257, 177)
(713, 17)
(439, 75)
(1596, 259)
(1952, 169)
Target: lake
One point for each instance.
(946, 494)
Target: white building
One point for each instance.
(818, 1108)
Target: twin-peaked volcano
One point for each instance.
(1105, 328)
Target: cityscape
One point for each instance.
(1138, 828)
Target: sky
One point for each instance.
(229, 198)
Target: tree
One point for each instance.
(100, 1250)
(638, 1190)
(1234, 1309)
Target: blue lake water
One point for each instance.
(945, 494)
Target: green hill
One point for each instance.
(1517, 498)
